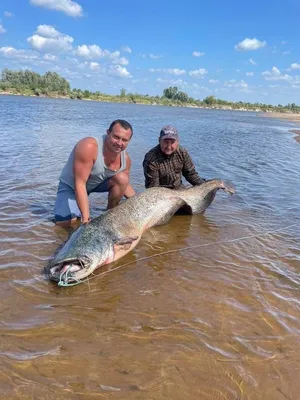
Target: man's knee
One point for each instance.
(120, 179)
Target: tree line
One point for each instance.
(40, 84)
(51, 84)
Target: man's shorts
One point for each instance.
(66, 207)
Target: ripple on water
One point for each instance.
(205, 307)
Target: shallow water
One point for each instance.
(205, 307)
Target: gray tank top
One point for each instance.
(99, 173)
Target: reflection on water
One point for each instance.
(205, 307)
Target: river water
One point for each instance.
(216, 317)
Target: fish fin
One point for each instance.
(125, 240)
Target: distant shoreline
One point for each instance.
(125, 100)
(288, 117)
(52, 85)
(292, 117)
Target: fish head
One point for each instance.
(81, 255)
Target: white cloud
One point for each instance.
(95, 52)
(198, 73)
(155, 57)
(213, 81)
(295, 66)
(200, 89)
(236, 84)
(276, 75)
(70, 73)
(90, 51)
(50, 57)
(69, 7)
(120, 61)
(250, 44)
(47, 38)
(197, 54)
(176, 71)
(176, 82)
(283, 42)
(21, 55)
(126, 49)
(47, 31)
(2, 29)
(287, 52)
(94, 66)
(8, 14)
(249, 73)
(117, 70)
(180, 82)
(252, 62)
(171, 71)
(72, 61)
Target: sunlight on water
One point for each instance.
(205, 307)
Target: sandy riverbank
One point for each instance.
(289, 117)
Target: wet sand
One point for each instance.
(290, 117)
(205, 307)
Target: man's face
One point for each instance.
(168, 146)
(117, 140)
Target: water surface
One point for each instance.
(205, 307)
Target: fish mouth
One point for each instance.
(70, 271)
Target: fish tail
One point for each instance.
(199, 197)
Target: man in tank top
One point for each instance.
(94, 165)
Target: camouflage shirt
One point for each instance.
(167, 171)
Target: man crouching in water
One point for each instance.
(94, 165)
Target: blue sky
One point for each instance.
(234, 50)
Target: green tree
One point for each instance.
(181, 96)
(210, 100)
(170, 92)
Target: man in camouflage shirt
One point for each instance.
(165, 164)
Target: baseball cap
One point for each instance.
(169, 132)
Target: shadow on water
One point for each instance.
(39, 209)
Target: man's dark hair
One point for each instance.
(124, 124)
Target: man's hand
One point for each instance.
(83, 222)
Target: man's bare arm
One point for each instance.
(84, 158)
(129, 192)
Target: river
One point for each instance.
(205, 307)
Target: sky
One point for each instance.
(233, 50)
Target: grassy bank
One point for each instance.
(28, 83)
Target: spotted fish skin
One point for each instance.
(117, 231)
